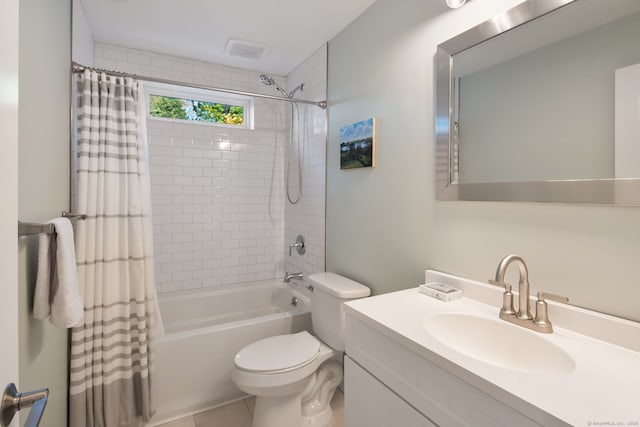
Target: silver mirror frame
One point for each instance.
(624, 192)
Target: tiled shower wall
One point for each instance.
(307, 217)
(218, 194)
(218, 204)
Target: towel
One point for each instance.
(57, 294)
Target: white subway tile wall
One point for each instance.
(307, 217)
(218, 193)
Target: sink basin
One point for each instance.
(498, 343)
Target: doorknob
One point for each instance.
(12, 402)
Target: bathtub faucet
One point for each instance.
(288, 276)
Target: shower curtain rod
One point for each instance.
(79, 68)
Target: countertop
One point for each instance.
(603, 389)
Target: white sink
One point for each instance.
(498, 343)
(559, 379)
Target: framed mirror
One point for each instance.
(542, 104)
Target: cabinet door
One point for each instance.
(369, 403)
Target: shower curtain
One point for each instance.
(109, 366)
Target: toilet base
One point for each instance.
(316, 400)
(277, 411)
(322, 419)
(285, 411)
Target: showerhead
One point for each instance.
(267, 80)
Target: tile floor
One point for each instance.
(239, 414)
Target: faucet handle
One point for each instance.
(542, 314)
(507, 298)
(553, 297)
(505, 285)
(299, 245)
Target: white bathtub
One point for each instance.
(204, 329)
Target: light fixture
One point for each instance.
(454, 4)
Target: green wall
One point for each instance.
(384, 226)
(43, 185)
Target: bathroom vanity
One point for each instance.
(413, 360)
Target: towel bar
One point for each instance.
(73, 216)
(30, 228)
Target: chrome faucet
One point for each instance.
(523, 316)
(288, 276)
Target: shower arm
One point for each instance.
(268, 80)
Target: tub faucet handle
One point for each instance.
(299, 245)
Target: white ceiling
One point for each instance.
(199, 29)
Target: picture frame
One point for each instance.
(358, 145)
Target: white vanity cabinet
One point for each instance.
(369, 403)
(387, 384)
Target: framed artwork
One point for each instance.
(358, 145)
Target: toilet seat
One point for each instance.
(285, 380)
(278, 354)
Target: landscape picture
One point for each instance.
(358, 145)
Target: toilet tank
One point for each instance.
(330, 292)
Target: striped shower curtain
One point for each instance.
(109, 367)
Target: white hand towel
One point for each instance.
(57, 294)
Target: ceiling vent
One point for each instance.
(246, 49)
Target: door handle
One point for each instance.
(12, 402)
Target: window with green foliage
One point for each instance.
(178, 103)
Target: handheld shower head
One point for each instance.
(267, 80)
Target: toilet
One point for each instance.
(294, 376)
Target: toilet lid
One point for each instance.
(278, 353)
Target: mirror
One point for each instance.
(542, 104)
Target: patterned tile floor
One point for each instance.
(239, 414)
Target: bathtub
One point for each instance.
(203, 331)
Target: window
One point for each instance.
(169, 102)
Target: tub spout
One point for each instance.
(288, 276)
